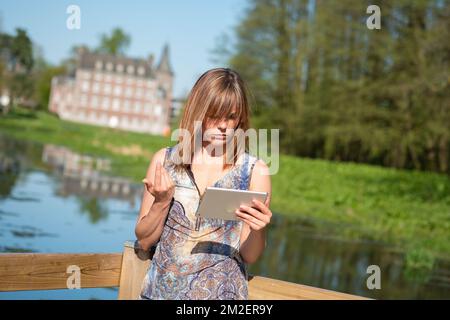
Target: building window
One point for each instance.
(98, 76)
(128, 92)
(161, 93)
(98, 65)
(116, 104)
(108, 78)
(85, 75)
(107, 89)
(118, 90)
(105, 103)
(85, 86)
(137, 107)
(126, 105)
(83, 100)
(138, 93)
(94, 102)
(158, 110)
(109, 66)
(119, 68)
(141, 70)
(96, 87)
(103, 118)
(130, 69)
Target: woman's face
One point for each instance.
(220, 131)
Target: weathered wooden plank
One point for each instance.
(40, 271)
(262, 288)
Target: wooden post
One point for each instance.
(135, 263)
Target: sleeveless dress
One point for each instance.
(198, 258)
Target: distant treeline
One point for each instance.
(340, 91)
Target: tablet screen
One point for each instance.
(221, 203)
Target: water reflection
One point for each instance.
(299, 253)
(55, 200)
(82, 175)
(85, 176)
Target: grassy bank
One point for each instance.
(408, 209)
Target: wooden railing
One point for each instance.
(42, 271)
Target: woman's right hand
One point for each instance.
(163, 187)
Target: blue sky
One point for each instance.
(191, 28)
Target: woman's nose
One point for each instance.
(223, 124)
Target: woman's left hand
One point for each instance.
(257, 217)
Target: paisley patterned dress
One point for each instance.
(198, 258)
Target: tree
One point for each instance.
(116, 43)
(17, 64)
(22, 52)
(43, 81)
(338, 90)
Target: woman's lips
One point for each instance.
(219, 136)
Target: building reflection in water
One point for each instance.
(85, 175)
(9, 164)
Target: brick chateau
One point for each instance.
(116, 91)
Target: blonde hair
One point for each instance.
(213, 96)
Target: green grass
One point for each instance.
(93, 140)
(407, 209)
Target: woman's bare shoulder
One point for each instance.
(260, 168)
(160, 154)
(260, 176)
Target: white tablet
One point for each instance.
(221, 203)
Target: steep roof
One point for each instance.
(100, 61)
(164, 61)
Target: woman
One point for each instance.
(203, 258)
